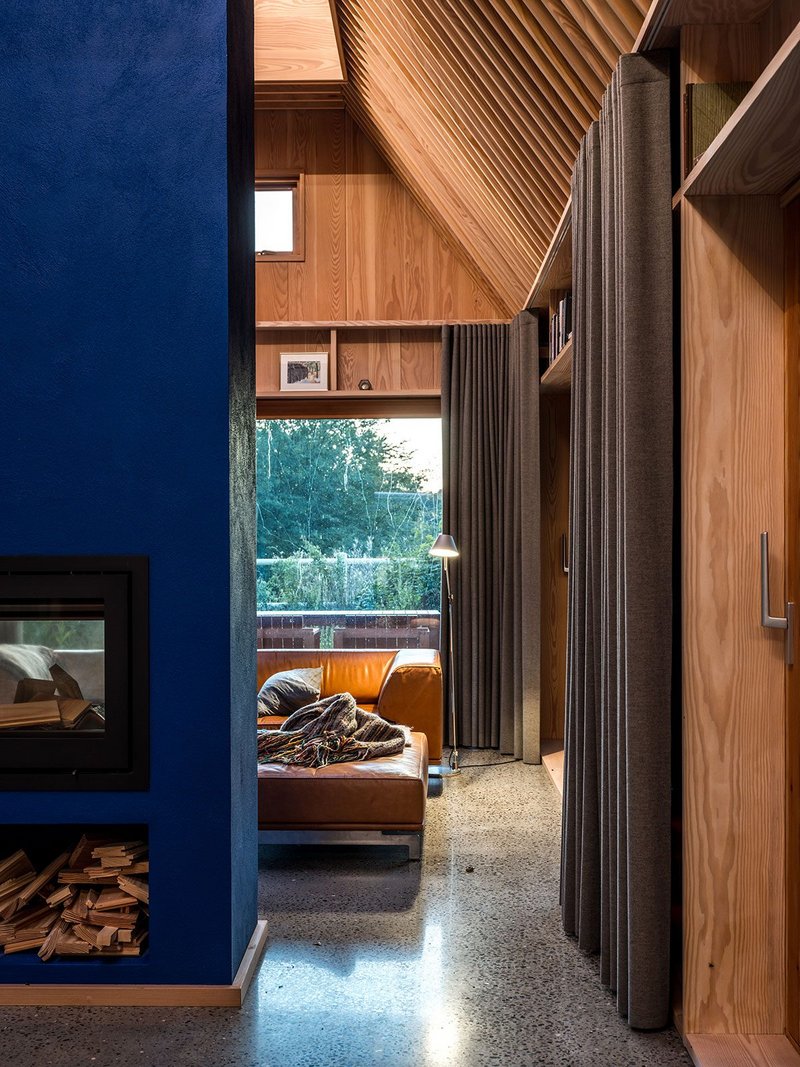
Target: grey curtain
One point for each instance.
(616, 889)
(490, 420)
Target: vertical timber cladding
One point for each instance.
(792, 336)
(732, 437)
(371, 253)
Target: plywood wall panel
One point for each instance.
(371, 252)
(420, 359)
(270, 344)
(733, 670)
(399, 267)
(397, 360)
(311, 142)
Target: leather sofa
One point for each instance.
(378, 801)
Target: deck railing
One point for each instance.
(348, 629)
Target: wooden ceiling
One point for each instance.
(479, 106)
(297, 41)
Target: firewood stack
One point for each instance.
(51, 703)
(90, 902)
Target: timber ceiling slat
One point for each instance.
(566, 103)
(506, 82)
(536, 21)
(427, 162)
(417, 107)
(579, 25)
(442, 212)
(513, 157)
(479, 106)
(473, 101)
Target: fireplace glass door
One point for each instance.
(73, 671)
(56, 649)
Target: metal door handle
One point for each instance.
(775, 622)
(564, 563)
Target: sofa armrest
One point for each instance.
(412, 695)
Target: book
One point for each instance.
(707, 107)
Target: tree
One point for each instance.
(337, 484)
(331, 490)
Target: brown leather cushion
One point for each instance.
(383, 794)
(343, 671)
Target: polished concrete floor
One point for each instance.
(457, 961)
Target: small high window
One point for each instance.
(280, 215)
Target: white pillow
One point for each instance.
(22, 661)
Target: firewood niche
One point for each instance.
(88, 902)
(55, 703)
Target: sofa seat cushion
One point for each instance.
(380, 794)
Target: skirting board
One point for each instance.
(173, 996)
(741, 1050)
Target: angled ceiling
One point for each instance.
(297, 41)
(479, 106)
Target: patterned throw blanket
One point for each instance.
(333, 730)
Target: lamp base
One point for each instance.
(450, 769)
(440, 771)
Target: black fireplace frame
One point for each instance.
(117, 758)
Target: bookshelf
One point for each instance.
(553, 281)
(400, 358)
(558, 376)
(755, 152)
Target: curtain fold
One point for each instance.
(616, 888)
(490, 425)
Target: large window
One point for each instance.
(347, 510)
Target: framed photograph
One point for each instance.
(304, 372)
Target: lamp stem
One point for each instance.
(454, 756)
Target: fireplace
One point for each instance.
(74, 689)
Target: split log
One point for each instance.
(66, 684)
(66, 910)
(31, 689)
(34, 713)
(71, 711)
(136, 887)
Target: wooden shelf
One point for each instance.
(351, 403)
(391, 324)
(354, 394)
(558, 376)
(755, 152)
(662, 23)
(556, 269)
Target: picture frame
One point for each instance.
(304, 372)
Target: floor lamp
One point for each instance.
(444, 548)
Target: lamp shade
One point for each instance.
(444, 546)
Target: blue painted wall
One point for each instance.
(126, 399)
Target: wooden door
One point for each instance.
(734, 677)
(792, 327)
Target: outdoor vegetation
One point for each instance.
(344, 520)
